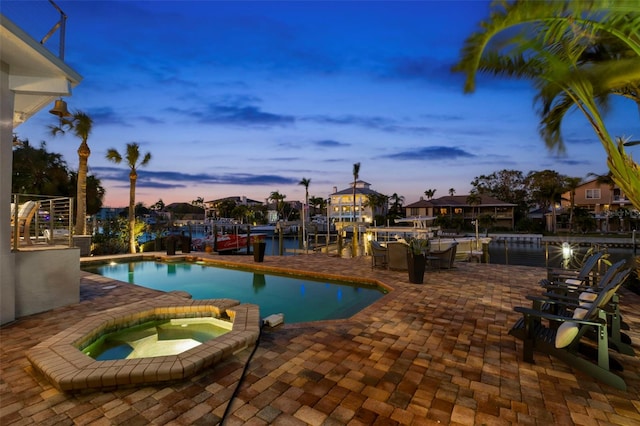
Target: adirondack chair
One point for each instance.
(24, 216)
(586, 274)
(561, 335)
(587, 294)
(378, 254)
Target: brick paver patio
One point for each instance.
(437, 353)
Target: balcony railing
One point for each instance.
(38, 220)
(41, 19)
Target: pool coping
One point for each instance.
(211, 259)
(61, 361)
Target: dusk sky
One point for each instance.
(246, 98)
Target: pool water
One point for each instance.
(156, 338)
(300, 299)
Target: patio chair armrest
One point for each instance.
(558, 318)
(555, 300)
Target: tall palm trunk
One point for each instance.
(133, 176)
(81, 188)
(356, 172)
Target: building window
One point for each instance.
(444, 211)
(592, 194)
(457, 210)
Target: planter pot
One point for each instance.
(416, 264)
(171, 246)
(84, 243)
(185, 242)
(258, 251)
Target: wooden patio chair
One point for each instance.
(562, 335)
(397, 256)
(587, 274)
(587, 294)
(378, 254)
(447, 256)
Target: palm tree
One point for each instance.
(80, 124)
(376, 202)
(430, 193)
(132, 156)
(356, 174)
(318, 203)
(452, 191)
(474, 200)
(576, 53)
(305, 208)
(278, 198)
(396, 205)
(572, 183)
(547, 187)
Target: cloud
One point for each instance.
(170, 179)
(369, 122)
(244, 115)
(431, 153)
(106, 115)
(328, 143)
(239, 110)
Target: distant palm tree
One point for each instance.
(159, 205)
(318, 203)
(572, 183)
(376, 202)
(132, 156)
(430, 193)
(474, 200)
(452, 191)
(278, 198)
(356, 174)
(80, 124)
(305, 209)
(396, 205)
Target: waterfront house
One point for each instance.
(212, 208)
(607, 203)
(457, 206)
(341, 204)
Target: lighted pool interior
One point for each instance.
(300, 299)
(157, 338)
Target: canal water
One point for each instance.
(549, 255)
(507, 253)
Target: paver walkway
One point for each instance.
(437, 353)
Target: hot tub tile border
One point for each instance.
(61, 361)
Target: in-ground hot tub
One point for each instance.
(61, 360)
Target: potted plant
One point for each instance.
(416, 259)
(259, 247)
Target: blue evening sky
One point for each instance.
(247, 98)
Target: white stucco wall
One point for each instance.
(46, 279)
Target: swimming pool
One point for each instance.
(300, 299)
